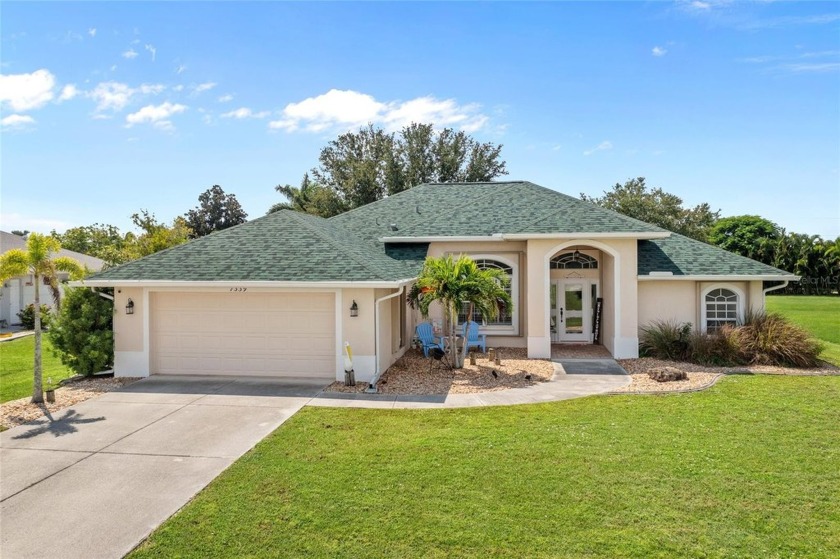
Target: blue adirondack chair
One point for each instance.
(426, 335)
(474, 339)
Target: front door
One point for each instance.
(572, 312)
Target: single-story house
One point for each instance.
(18, 293)
(280, 295)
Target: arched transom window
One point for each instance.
(505, 318)
(574, 261)
(721, 307)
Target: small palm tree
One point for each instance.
(37, 260)
(460, 285)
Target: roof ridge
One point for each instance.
(309, 223)
(593, 205)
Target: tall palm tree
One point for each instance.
(38, 261)
(460, 285)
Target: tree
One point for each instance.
(748, 235)
(216, 211)
(99, 240)
(658, 208)
(361, 167)
(155, 236)
(310, 198)
(20, 233)
(459, 285)
(82, 332)
(38, 261)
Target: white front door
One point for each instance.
(572, 309)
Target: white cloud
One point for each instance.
(697, 4)
(245, 112)
(92, 31)
(202, 87)
(178, 87)
(115, 96)
(129, 54)
(815, 67)
(68, 92)
(113, 67)
(603, 146)
(23, 92)
(26, 223)
(658, 51)
(156, 115)
(226, 98)
(180, 69)
(349, 109)
(17, 121)
(153, 50)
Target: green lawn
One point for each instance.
(16, 362)
(745, 469)
(819, 315)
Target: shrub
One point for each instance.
(770, 339)
(82, 332)
(27, 317)
(717, 349)
(664, 339)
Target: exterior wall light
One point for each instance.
(354, 309)
(129, 308)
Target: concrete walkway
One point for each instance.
(100, 476)
(590, 376)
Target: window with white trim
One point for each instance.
(721, 306)
(506, 320)
(573, 261)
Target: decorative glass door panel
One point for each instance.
(572, 310)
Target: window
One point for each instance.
(721, 306)
(506, 319)
(574, 261)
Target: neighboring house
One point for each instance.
(18, 293)
(277, 295)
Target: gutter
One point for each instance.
(658, 276)
(764, 292)
(371, 389)
(226, 284)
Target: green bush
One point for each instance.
(716, 349)
(27, 317)
(82, 332)
(664, 339)
(771, 339)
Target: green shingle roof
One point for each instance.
(290, 246)
(683, 256)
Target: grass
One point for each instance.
(818, 315)
(16, 362)
(747, 468)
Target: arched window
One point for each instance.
(506, 319)
(721, 306)
(574, 261)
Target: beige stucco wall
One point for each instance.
(131, 357)
(669, 301)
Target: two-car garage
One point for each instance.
(242, 333)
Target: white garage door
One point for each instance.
(263, 334)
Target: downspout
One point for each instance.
(372, 384)
(764, 292)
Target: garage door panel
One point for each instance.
(272, 334)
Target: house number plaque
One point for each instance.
(238, 289)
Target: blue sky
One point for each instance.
(108, 108)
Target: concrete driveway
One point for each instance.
(98, 477)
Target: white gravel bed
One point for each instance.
(411, 375)
(17, 412)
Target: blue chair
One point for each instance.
(426, 335)
(473, 337)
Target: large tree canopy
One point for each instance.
(358, 168)
(748, 235)
(216, 211)
(657, 207)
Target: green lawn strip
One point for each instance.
(16, 366)
(818, 315)
(747, 468)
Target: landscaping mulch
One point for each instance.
(700, 376)
(17, 412)
(410, 375)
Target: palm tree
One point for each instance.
(37, 260)
(458, 285)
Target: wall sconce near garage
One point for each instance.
(129, 308)
(354, 309)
